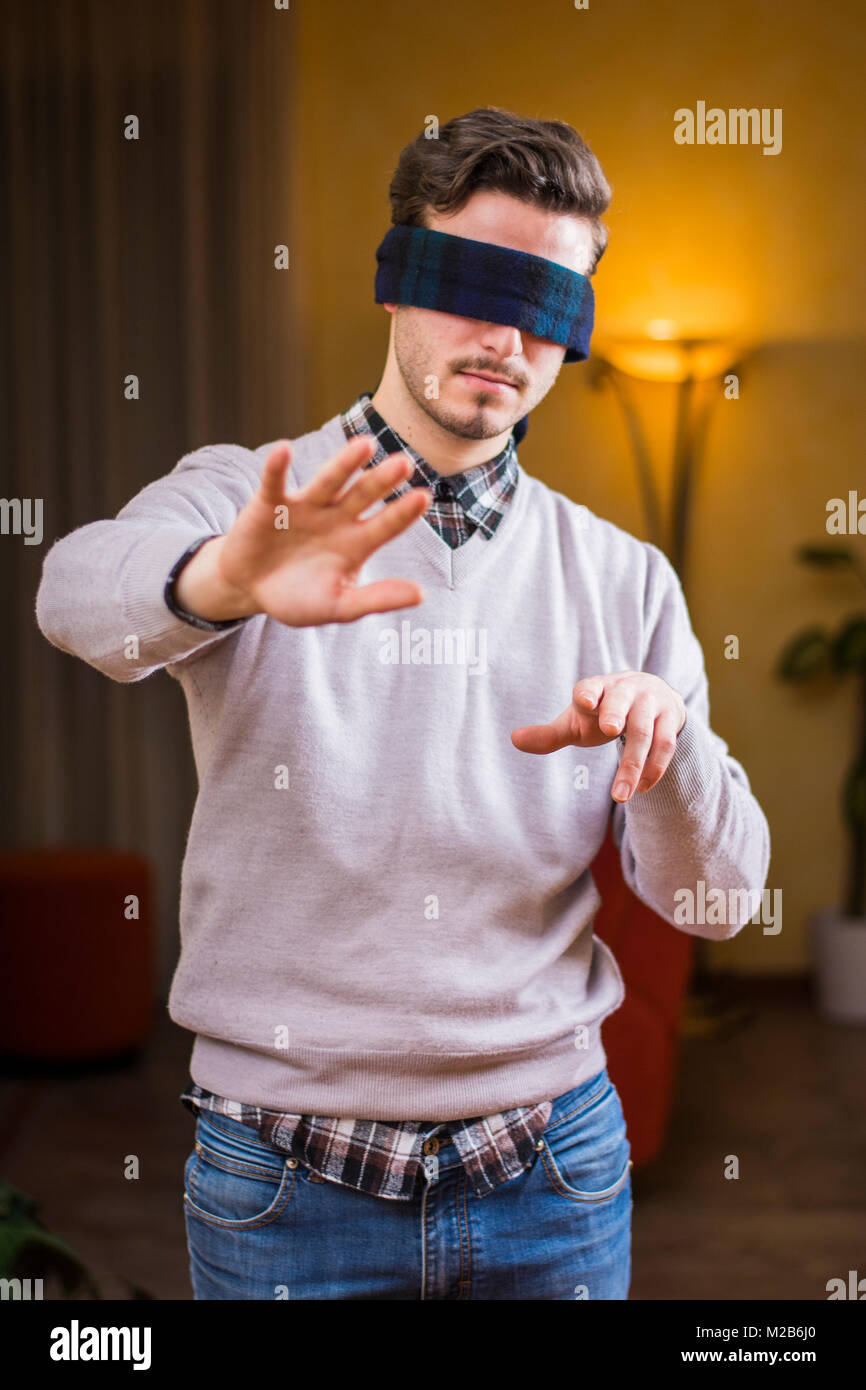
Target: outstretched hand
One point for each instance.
(644, 707)
(305, 571)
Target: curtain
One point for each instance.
(151, 257)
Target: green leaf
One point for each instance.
(826, 555)
(805, 655)
(854, 796)
(29, 1250)
(849, 645)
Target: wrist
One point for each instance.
(201, 589)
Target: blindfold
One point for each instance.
(480, 280)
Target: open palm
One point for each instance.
(297, 556)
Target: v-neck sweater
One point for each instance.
(386, 908)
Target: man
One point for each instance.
(386, 911)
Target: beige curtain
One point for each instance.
(152, 257)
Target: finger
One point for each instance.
(272, 484)
(323, 488)
(663, 747)
(374, 483)
(382, 596)
(639, 730)
(390, 520)
(614, 706)
(588, 692)
(546, 738)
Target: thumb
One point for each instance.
(546, 738)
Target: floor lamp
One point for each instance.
(701, 371)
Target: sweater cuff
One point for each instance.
(143, 589)
(687, 777)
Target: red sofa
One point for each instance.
(641, 1037)
(76, 968)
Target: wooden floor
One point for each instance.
(786, 1094)
(782, 1091)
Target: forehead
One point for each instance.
(506, 221)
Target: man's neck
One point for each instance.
(446, 452)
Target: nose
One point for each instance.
(501, 340)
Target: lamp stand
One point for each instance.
(710, 1007)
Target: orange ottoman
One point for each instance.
(76, 967)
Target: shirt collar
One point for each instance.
(482, 492)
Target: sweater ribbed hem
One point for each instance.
(692, 770)
(394, 1086)
(163, 636)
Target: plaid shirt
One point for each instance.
(462, 502)
(383, 1158)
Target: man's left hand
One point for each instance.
(643, 707)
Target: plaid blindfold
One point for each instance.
(480, 280)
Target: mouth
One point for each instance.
(497, 384)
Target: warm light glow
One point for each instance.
(658, 357)
(661, 328)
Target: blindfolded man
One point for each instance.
(419, 682)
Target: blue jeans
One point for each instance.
(260, 1225)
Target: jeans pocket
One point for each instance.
(232, 1179)
(586, 1156)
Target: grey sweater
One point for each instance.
(386, 908)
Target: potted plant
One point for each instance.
(838, 935)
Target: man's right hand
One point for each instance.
(305, 574)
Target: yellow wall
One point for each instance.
(719, 239)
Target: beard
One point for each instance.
(481, 418)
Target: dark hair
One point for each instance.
(541, 162)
